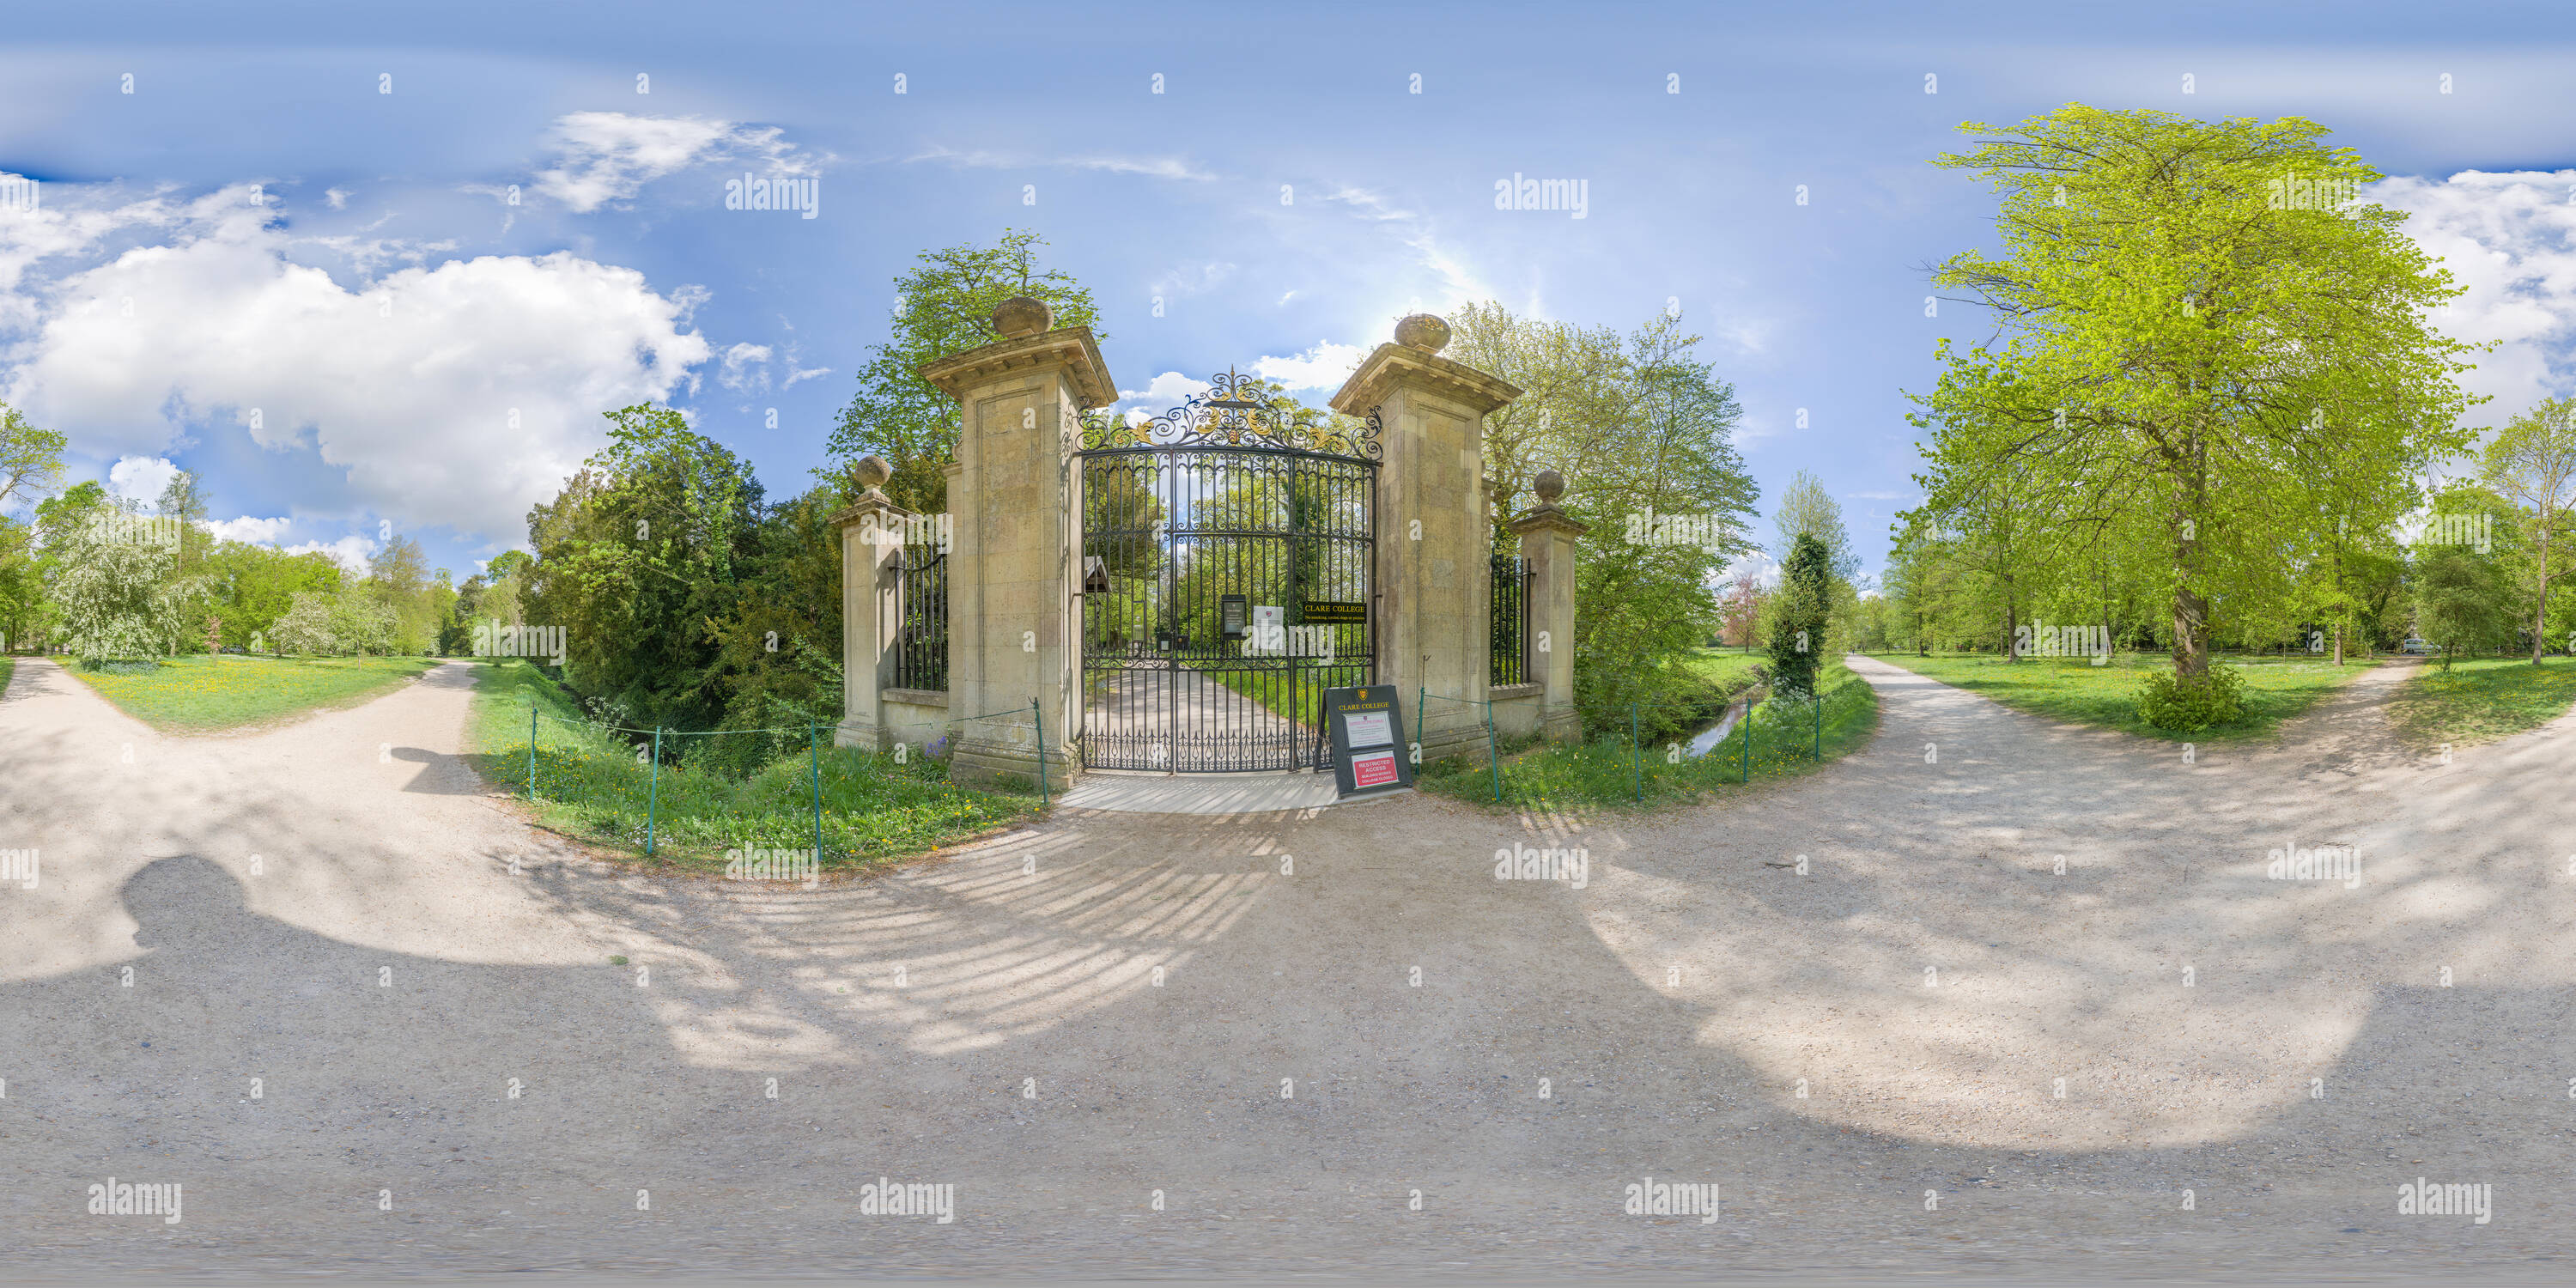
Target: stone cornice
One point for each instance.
(1547, 517)
(871, 503)
(1069, 347)
(1392, 362)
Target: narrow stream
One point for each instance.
(1709, 738)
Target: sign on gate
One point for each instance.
(1367, 727)
(1321, 612)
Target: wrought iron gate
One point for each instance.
(1228, 580)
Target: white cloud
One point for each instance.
(352, 553)
(140, 478)
(602, 157)
(1325, 366)
(985, 159)
(456, 394)
(2511, 240)
(803, 373)
(258, 532)
(338, 197)
(1192, 279)
(746, 368)
(1163, 392)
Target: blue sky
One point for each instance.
(258, 226)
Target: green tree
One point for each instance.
(1807, 509)
(118, 594)
(1805, 601)
(31, 458)
(945, 306)
(2459, 599)
(335, 622)
(2193, 348)
(183, 501)
(637, 562)
(1643, 432)
(2532, 462)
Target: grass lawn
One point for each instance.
(2106, 697)
(1731, 669)
(6, 666)
(2480, 700)
(1784, 738)
(593, 785)
(203, 694)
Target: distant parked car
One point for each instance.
(2416, 646)
(235, 648)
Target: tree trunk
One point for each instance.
(2540, 615)
(2191, 612)
(2011, 648)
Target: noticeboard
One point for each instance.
(1367, 729)
(1320, 612)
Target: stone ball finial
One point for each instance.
(873, 471)
(1550, 485)
(1020, 318)
(1422, 331)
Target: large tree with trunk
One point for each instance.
(2201, 338)
(2532, 462)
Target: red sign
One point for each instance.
(1372, 769)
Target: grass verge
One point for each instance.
(1782, 738)
(2106, 697)
(205, 694)
(6, 667)
(593, 785)
(2480, 700)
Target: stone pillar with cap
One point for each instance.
(1014, 635)
(1547, 542)
(1434, 614)
(871, 546)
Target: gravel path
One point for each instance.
(1066, 1021)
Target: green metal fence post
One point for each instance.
(1819, 752)
(1493, 753)
(653, 793)
(814, 748)
(1040, 713)
(1744, 758)
(532, 750)
(1636, 761)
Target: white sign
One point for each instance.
(1367, 729)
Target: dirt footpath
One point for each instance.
(1329, 1044)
